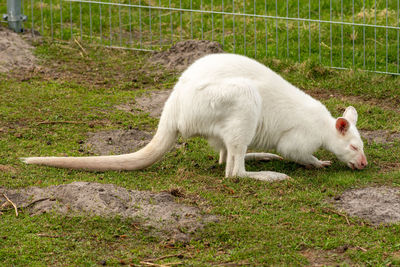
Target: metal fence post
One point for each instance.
(14, 15)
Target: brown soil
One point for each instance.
(157, 212)
(15, 52)
(152, 103)
(380, 136)
(326, 257)
(117, 141)
(184, 53)
(375, 204)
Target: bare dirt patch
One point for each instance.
(7, 168)
(152, 103)
(380, 136)
(117, 141)
(184, 53)
(375, 204)
(15, 52)
(157, 212)
(326, 257)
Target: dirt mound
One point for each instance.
(380, 136)
(157, 212)
(375, 204)
(117, 141)
(15, 52)
(151, 103)
(184, 53)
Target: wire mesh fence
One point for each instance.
(361, 34)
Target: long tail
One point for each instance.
(161, 143)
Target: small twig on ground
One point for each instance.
(5, 204)
(231, 191)
(80, 46)
(36, 201)
(338, 213)
(152, 264)
(12, 203)
(361, 248)
(55, 122)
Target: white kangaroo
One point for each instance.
(237, 103)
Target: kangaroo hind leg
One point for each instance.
(236, 140)
(238, 105)
(218, 146)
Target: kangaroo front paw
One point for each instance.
(322, 164)
(262, 156)
(319, 164)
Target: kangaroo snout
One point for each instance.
(363, 162)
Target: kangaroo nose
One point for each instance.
(363, 162)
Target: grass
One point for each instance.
(330, 44)
(260, 223)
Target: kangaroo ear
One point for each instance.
(342, 125)
(351, 114)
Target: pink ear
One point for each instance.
(351, 114)
(342, 125)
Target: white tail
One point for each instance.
(161, 143)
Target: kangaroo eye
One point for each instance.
(354, 148)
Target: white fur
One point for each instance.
(237, 103)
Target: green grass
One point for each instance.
(333, 45)
(260, 223)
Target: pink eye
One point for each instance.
(354, 148)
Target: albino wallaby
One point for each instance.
(237, 103)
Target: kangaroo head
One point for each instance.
(348, 146)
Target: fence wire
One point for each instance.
(342, 34)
